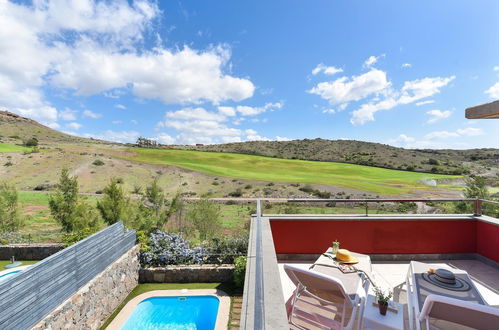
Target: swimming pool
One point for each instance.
(177, 312)
(8, 273)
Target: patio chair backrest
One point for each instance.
(321, 285)
(461, 312)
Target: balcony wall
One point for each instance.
(387, 234)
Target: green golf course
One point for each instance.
(370, 179)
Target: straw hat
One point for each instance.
(344, 256)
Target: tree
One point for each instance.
(67, 208)
(155, 197)
(205, 216)
(475, 188)
(10, 220)
(114, 206)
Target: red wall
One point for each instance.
(380, 236)
(488, 240)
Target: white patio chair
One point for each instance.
(320, 301)
(457, 311)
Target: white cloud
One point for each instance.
(116, 136)
(411, 91)
(120, 106)
(405, 138)
(227, 111)
(92, 47)
(257, 138)
(245, 110)
(91, 114)
(198, 125)
(406, 65)
(117, 122)
(496, 68)
(329, 70)
(282, 138)
(493, 91)
(344, 90)
(329, 111)
(372, 60)
(164, 138)
(134, 122)
(74, 125)
(424, 102)
(68, 114)
(437, 115)
(195, 114)
(184, 76)
(469, 131)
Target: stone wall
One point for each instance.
(187, 274)
(95, 302)
(29, 251)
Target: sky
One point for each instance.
(186, 72)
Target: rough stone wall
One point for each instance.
(187, 274)
(29, 251)
(95, 302)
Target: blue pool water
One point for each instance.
(191, 312)
(3, 277)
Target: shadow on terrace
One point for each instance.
(397, 251)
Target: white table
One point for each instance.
(374, 320)
(416, 293)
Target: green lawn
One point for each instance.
(142, 288)
(365, 178)
(12, 148)
(3, 263)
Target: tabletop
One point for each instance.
(425, 288)
(350, 281)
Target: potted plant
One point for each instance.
(336, 246)
(383, 299)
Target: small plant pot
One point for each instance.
(382, 308)
(335, 249)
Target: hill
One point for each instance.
(15, 129)
(443, 161)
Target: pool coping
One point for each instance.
(223, 307)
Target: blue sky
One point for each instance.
(394, 72)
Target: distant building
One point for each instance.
(199, 144)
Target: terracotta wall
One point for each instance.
(384, 236)
(488, 240)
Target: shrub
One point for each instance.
(12, 238)
(44, 186)
(204, 216)
(215, 183)
(224, 250)
(248, 186)
(98, 162)
(307, 188)
(137, 189)
(171, 249)
(9, 163)
(75, 237)
(33, 142)
(237, 193)
(239, 271)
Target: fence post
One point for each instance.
(477, 207)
